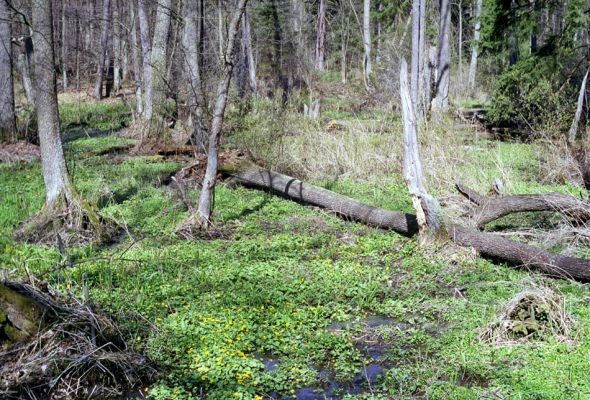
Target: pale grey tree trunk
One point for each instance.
(367, 40)
(190, 44)
(460, 39)
(421, 107)
(320, 43)
(207, 192)
(64, 47)
(443, 62)
(116, 47)
(55, 174)
(158, 65)
(220, 27)
(7, 116)
(427, 208)
(102, 59)
(146, 55)
(379, 36)
(475, 45)
(136, 59)
(581, 95)
(251, 64)
(415, 67)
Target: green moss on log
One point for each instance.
(20, 316)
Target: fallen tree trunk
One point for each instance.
(491, 208)
(487, 244)
(254, 176)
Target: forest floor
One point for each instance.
(288, 301)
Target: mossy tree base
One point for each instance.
(67, 221)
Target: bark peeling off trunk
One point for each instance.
(20, 316)
(491, 208)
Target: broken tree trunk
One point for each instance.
(250, 175)
(491, 208)
(574, 128)
(489, 245)
(20, 316)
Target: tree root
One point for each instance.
(68, 221)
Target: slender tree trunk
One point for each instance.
(441, 100)
(320, 43)
(78, 44)
(116, 47)
(367, 40)
(250, 63)
(64, 47)
(102, 61)
(146, 55)
(475, 45)
(207, 192)
(136, 59)
(379, 34)
(220, 27)
(190, 43)
(158, 64)
(421, 107)
(7, 116)
(344, 44)
(25, 63)
(415, 67)
(55, 174)
(582, 94)
(512, 38)
(460, 38)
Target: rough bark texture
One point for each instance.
(441, 98)
(207, 191)
(498, 248)
(7, 118)
(491, 208)
(320, 42)
(190, 43)
(146, 54)
(158, 65)
(55, 174)
(253, 176)
(475, 44)
(102, 59)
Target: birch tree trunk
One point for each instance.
(581, 95)
(55, 174)
(367, 41)
(158, 65)
(146, 55)
(207, 192)
(441, 99)
(102, 59)
(427, 207)
(320, 43)
(190, 43)
(474, 46)
(7, 116)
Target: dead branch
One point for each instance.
(491, 208)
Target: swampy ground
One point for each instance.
(288, 301)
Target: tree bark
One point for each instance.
(580, 105)
(7, 115)
(367, 41)
(415, 67)
(249, 53)
(158, 67)
(491, 208)
(146, 55)
(102, 59)
(55, 174)
(136, 59)
(320, 43)
(64, 47)
(441, 98)
(206, 198)
(190, 42)
(116, 47)
(475, 44)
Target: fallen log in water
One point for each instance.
(487, 244)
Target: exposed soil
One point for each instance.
(19, 151)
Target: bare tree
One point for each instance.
(415, 68)
(146, 55)
(367, 40)
(102, 60)
(7, 117)
(117, 43)
(249, 53)
(443, 63)
(64, 47)
(475, 44)
(581, 95)
(136, 59)
(206, 198)
(320, 43)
